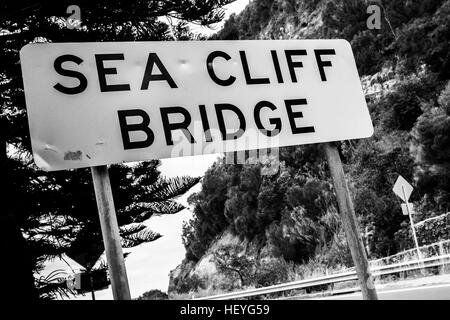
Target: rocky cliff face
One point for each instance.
(204, 274)
(306, 21)
(298, 20)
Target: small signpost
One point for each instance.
(403, 190)
(407, 208)
(93, 104)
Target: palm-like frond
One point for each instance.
(162, 207)
(134, 236)
(139, 212)
(53, 286)
(46, 249)
(128, 230)
(167, 188)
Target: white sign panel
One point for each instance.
(109, 102)
(402, 188)
(405, 209)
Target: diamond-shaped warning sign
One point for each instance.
(402, 188)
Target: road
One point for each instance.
(432, 292)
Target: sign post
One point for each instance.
(110, 233)
(403, 190)
(419, 254)
(349, 222)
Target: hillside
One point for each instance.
(251, 229)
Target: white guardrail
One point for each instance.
(339, 277)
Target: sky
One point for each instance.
(149, 264)
(234, 7)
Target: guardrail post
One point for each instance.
(349, 222)
(441, 253)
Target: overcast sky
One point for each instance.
(149, 264)
(234, 7)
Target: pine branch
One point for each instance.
(53, 286)
(139, 237)
(129, 230)
(167, 188)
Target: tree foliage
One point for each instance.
(56, 212)
(232, 261)
(154, 294)
(294, 211)
(431, 145)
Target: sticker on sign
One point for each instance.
(99, 103)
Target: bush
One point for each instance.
(434, 229)
(154, 294)
(294, 237)
(271, 272)
(401, 108)
(231, 260)
(431, 144)
(190, 283)
(338, 252)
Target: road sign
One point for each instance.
(92, 104)
(402, 189)
(407, 210)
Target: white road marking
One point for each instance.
(387, 291)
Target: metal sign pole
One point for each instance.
(349, 222)
(419, 255)
(110, 233)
